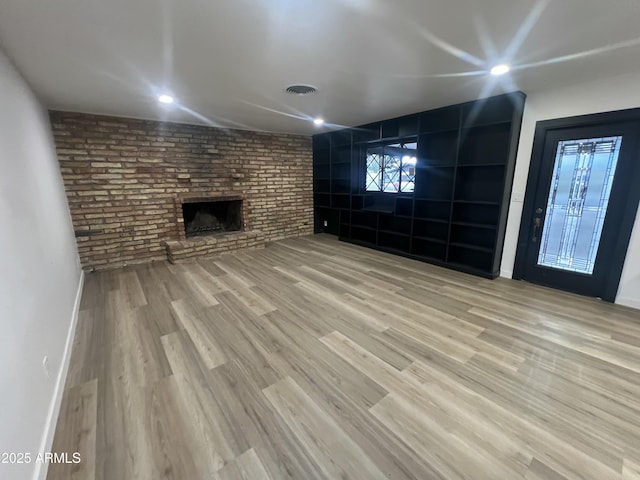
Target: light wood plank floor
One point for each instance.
(316, 359)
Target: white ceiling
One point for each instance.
(228, 62)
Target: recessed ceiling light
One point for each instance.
(164, 98)
(500, 69)
(318, 121)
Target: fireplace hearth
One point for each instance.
(211, 225)
(212, 217)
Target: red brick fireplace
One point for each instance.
(126, 182)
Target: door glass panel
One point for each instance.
(577, 203)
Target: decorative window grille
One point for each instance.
(391, 168)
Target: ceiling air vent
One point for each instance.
(301, 89)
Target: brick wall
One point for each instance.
(122, 177)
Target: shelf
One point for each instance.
(340, 200)
(429, 249)
(430, 210)
(394, 241)
(486, 124)
(430, 239)
(321, 143)
(362, 243)
(427, 219)
(439, 209)
(445, 119)
(461, 267)
(360, 217)
(433, 167)
(390, 130)
(434, 183)
(477, 202)
(366, 133)
(425, 168)
(321, 154)
(404, 207)
(390, 232)
(394, 251)
(364, 227)
(344, 232)
(322, 199)
(340, 138)
(471, 258)
(341, 185)
(431, 257)
(394, 224)
(497, 110)
(377, 210)
(471, 247)
(466, 165)
(322, 171)
(476, 214)
(475, 225)
(440, 200)
(363, 235)
(481, 183)
(485, 144)
(326, 215)
(472, 236)
(341, 171)
(438, 149)
(399, 128)
(431, 230)
(437, 131)
(345, 216)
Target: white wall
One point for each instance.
(614, 93)
(40, 276)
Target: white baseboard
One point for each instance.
(628, 302)
(40, 472)
(506, 273)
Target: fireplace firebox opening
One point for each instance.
(212, 217)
